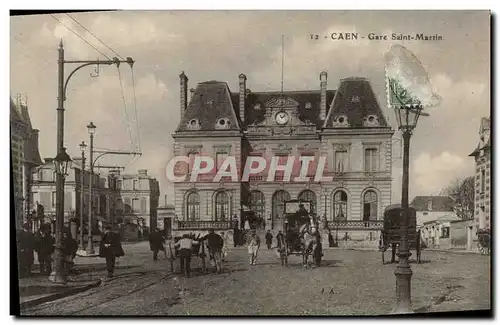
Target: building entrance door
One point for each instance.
(278, 214)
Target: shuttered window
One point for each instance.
(143, 205)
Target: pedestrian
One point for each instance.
(156, 242)
(69, 249)
(215, 244)
(110, 248)
(253, 243)
(25, 248)
(269, 239)
(185, 245)
(44, 248)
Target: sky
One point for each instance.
(222, 44)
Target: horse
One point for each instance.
(310, 239)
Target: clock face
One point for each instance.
(282, 118)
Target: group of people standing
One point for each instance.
(43, 243)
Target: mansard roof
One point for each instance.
(356, 101)
(210, 109)
(308, 104)
(441, 203)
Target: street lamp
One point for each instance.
(62, 164)
(90, 246)
(62, 85)
(407, 117)
(82, 146)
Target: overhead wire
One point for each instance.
(125, 106)
(78, 35)
(135, 109)
(97, 38)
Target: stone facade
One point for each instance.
(25, 157)
(104, 194)
(346, 127)
(482, 193)
(138, 203)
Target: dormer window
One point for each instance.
(193, 124)
(308, 105)
(341, 121)
(223, 123)
(371, 120)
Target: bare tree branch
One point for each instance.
(462, 193)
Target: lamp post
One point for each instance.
(62, 163)
(82, 146)
(407, 117)
(61, 97)
(90, 245)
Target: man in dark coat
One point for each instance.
(110, 248)
(156, 242)
(269, 239)
(25, 247)
(280, 240)
(45, 248)
(215, 243)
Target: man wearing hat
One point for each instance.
(26, 245)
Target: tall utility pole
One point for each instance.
(58, 275)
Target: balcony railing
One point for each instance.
(202, 224)
(356, 224)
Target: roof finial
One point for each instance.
(61, 44)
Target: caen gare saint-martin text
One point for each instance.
(346, 36)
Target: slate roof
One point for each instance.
(439, 203)
(210, 102)
(356, 100)
(256, 116)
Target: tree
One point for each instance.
(462, 193)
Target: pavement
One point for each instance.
(348, 283)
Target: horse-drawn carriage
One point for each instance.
(301, 233)
(390, 235)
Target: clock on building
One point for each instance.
(282, 118)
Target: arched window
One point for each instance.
(370, 210)
(193, 206)
(309, 196)
(221, 206)
(339, 205)
(279, 199)
(256, 203)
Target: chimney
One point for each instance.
(143, 172)
(165, 199)
(322, 109)
(192, 93)
(243, 90)
(184, 86)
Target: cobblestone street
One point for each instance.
(348, 283)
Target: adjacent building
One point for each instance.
(138, 203)
(25, 157)
(482, 193)
(346, 126)
(431, 208)
(105, 194)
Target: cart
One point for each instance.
(296, 214)
(390, 236)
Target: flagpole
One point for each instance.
(282, 59)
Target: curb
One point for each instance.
(59, 295)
